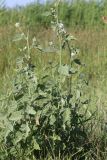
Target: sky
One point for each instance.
(13, 3)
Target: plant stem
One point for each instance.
(59, 36)
(70, 78)
(60, 52)
(28, 46)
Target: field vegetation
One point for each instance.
(53, 70)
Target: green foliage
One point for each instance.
(46, 112)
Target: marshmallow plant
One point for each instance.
(45, 116)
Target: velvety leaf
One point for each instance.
(56, 137)
(9, 128)
(64, 70)
(66, 115)
(72, 71)
(36, 145)
(78, 95)
(2, 125)
(15, 116)
(2, 116)
(30, 110)
(52, 120)
(18, 137)
(27, 129)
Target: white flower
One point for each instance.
(50, 43)
(24, 48)
(17, 25)
(61, 28)
(72, 54)
(60, 25)
(53, 10)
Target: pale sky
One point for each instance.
(12, 3)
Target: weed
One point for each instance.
(46, 113)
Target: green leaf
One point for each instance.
(77, 61)
(2, 116)
(15, 116)
(66, 115)
(52, 120)
(64, 70)
(36, 145)
(9, 128)
(13, 151)
(56, 137)
(70, 37)
(18, 137)
(72, 71)
(27, 129)
(2, 125)
(30, 110)
(78, 95)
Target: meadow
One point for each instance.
(44, 102)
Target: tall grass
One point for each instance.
(77, 13)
